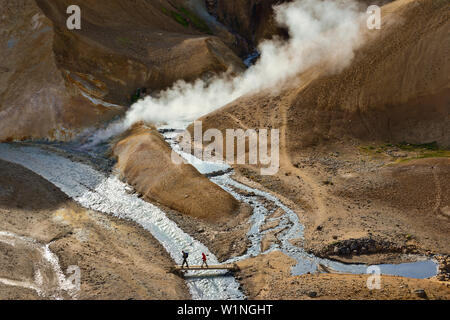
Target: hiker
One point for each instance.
(204, 260)
(185, 257)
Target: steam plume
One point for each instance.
(325, 31)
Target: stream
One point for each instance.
(95, 189)
(289, 227)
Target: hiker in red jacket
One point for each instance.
(204, 260)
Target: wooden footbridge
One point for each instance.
(229, 267)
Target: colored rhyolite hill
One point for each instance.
(55, 81)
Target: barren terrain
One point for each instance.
(268, 277)
(364, 154)
(117, 259)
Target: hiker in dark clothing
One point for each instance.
(204, 260)
(185, 257)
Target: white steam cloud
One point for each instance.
(320, 32)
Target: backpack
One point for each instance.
(185, 255)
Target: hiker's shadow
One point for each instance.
(207, 275)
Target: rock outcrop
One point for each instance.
(145, 162)
(251, 19)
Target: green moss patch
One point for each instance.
(124, 41)
(196, 21)
(405, 151)
(185, 17)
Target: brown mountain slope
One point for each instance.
(139, 44)
(397, 88)
(54, 82)
(341, 136)
(34, 98)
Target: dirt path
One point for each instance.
(316, 195)
(438, 190)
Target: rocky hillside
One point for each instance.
(397, 88)
(358, 147)
(55, 81)
(144, 160)
(253, 20)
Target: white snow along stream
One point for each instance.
(93, 190)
